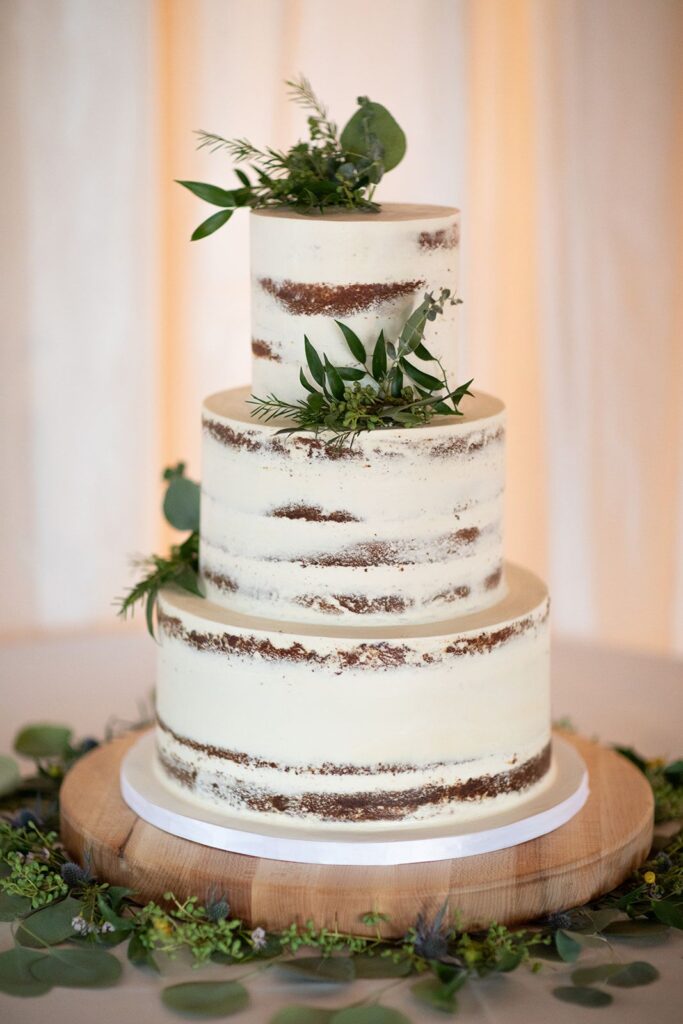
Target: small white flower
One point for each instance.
(258, 938)
(30, 857)
(80, 925)
(108, 927)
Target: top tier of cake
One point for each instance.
(366, 270)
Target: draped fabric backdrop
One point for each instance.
(556, 125)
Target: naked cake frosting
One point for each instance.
(362, 656)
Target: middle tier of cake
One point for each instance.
(401, 527)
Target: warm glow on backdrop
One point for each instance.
(557, 127)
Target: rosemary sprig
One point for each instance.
(181, 565)
(385, 389)
(327, 170)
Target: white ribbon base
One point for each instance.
(152, 801)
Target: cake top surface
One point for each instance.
(232, 405)
(525, 592)
(387, 212)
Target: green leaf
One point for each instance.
(381, 967)
(206, 998)
(303, 380)
(350, 373)
(139, 955)
(43, 741)
(413, 329)
(121, 924)
(12, 907)
(211, 224)
(668, 913)
(181, 503)
(15, 973)
(425, 380)
(209, 193)
(117, 894)
(592, 997)
(372, 1014)
(567, 946)
(396, 382)
(302, 1015)
(593, 975)
(314, 363)
(243, 178)
(150, 605)
(187, 579)
(436, 994)
(634, 974)
(49, 926)
(673, 773)
(354, 343)
(78, 968)
(334, 380)
(321, 968)
(372, 122)
(423, 353)
(636, 928)
(379, 358)
(9, 774)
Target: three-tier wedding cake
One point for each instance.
(362, 656)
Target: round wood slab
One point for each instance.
(591, 854)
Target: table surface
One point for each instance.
(89, 680)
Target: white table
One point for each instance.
(84, 680)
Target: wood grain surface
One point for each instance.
(590, 855)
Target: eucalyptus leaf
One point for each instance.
(314, 363)
(322, 968)
(379, 358)
(87, 967)
(205, 998)
(39, 741)
(139, 955)
(209, 193)
(302, 1015)
(15, 973)
(632, 975)
(49, 926)
(354, 343)
(369, 1014)
(211, 224)
(589, 997)
(181, 503)
(668, 913)
(413, 329)
(371, 122)
(10, 775)
(567, 946)
(12, 906)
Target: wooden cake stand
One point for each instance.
(591, 854)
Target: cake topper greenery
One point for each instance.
(384, 389)
(66, 923)
(181, 565)
(328, 170)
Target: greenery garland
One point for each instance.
(65, 921)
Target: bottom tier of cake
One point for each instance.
(367, 728)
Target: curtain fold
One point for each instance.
(555, 124)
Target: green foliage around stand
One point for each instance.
(65, 922)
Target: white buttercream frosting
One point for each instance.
(272, 718)
(367, 270)
(406, 526)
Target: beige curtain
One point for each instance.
(555, 124)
